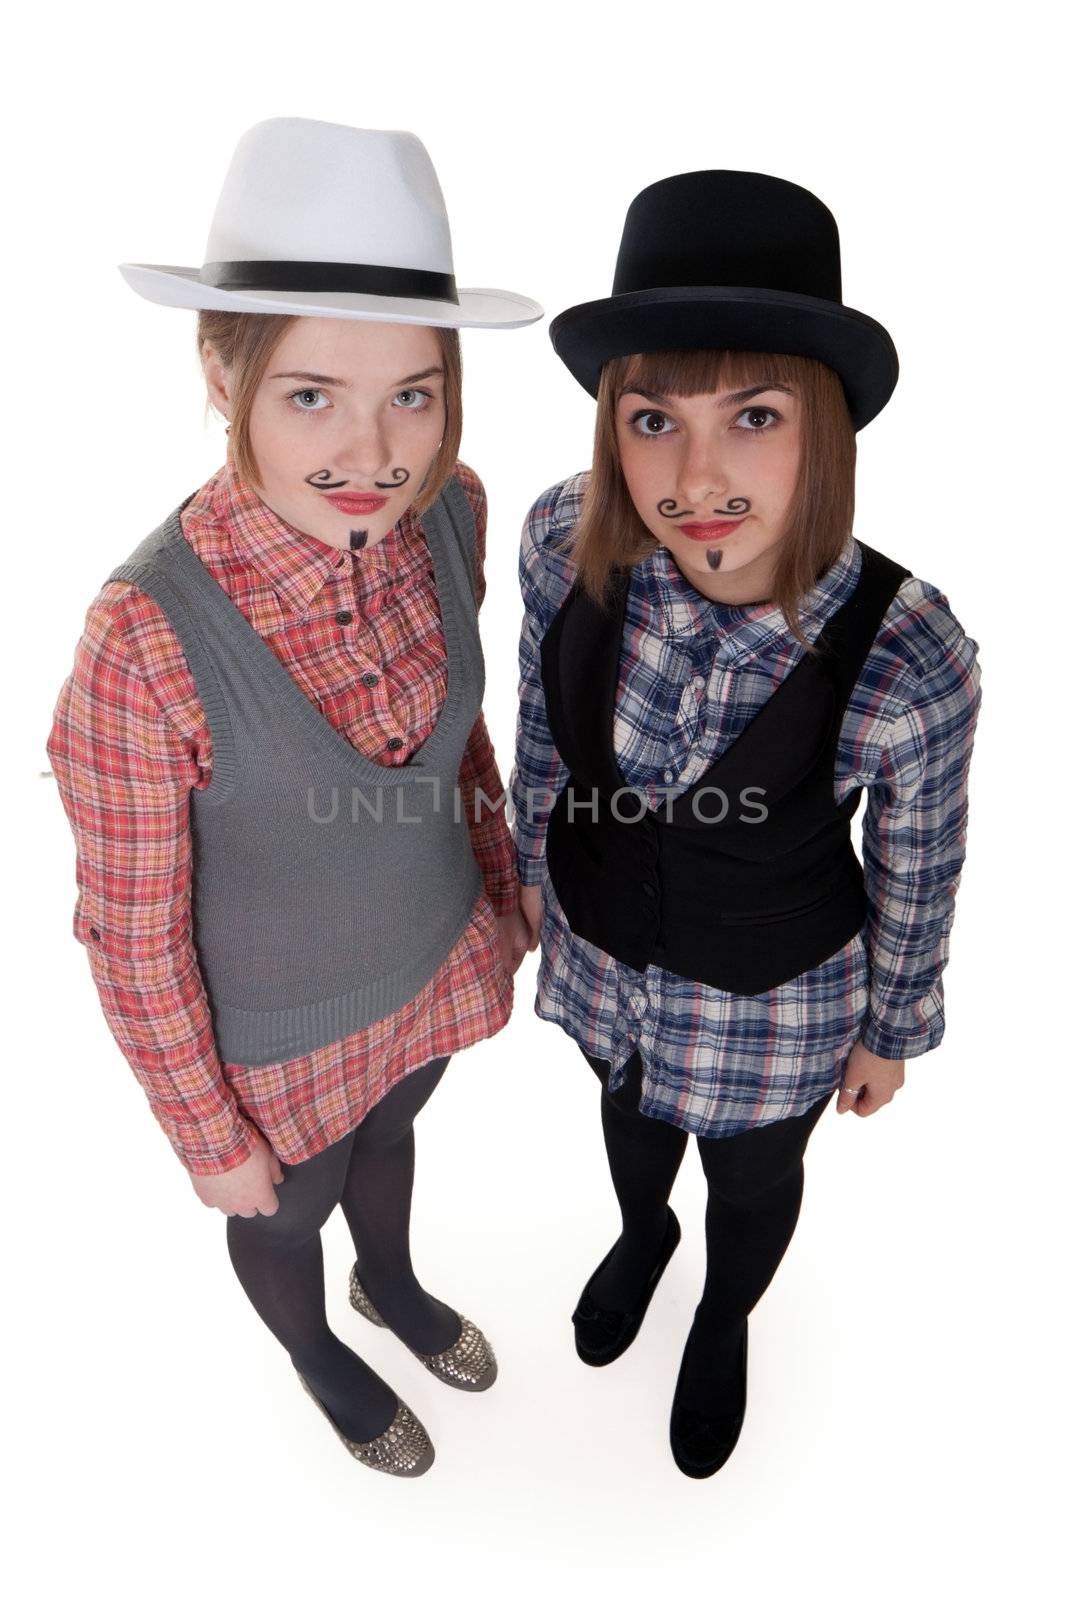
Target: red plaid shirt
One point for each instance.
(361, 635)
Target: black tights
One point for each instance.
(278, 1259)
(755, 1185)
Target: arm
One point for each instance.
(124, 776)
(914, 839)
(479, 776)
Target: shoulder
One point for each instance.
(546, 571)
(922, 660)
(554, 513)
(129, 655)
(139, 627)
(473, 488)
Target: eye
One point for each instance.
(657, 424)
(409, 399)
(772, 418)
(303, 394)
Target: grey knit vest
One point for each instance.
(327, 889)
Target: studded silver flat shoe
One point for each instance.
(403, 1450)
(467, 1364)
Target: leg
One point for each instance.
(278, 1261)
(644, 1155)
(755, 1186)
(376, 1201)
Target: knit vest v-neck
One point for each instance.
(748, 877)
(327, 889)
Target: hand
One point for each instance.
(530, 904)
(244, 1190)
(876, 1078)
(513, 939)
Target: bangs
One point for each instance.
(689, 372)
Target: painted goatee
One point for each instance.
(357, 538)
(713, 559)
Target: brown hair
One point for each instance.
(609, 533)
(246, 340)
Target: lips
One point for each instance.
(357, 505)
(707, 531)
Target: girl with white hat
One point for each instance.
(713, 670)
(297, 888)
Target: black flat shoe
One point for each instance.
(601, 1335)
(701, 1445)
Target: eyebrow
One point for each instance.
(341, 383)
(727, 399)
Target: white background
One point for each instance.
(904, 1419)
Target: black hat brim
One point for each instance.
(857, 347)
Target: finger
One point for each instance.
(267, 1207)
(276, 1173)
(851, 1096)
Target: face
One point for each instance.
(345, 424)
(712, 476)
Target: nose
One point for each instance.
(363, 451)
(702, 475)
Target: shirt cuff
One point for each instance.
(211, 1148)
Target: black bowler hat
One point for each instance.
(730, 261)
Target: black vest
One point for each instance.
(748, 877)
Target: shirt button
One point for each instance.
(698, 682)
(650, 890)
(396, 744)
(343, 618)
(95, 932)
(369, 678)
(668, 776)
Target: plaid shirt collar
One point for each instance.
(294, 564)
(678, 611)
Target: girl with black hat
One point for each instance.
(279, 682)
(713, 669)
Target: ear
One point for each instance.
(216, 378)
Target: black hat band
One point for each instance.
(336, 277)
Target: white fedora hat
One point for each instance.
(318, 219)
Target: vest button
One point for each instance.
(395, 743)
(650, 890)
(343, 618)
(369, 678)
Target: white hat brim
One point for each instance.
(477, 308)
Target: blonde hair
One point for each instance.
(610, 534)
(246, 340)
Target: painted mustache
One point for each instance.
(322, 479)
(737, 507)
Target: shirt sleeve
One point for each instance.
(124, 775)
(914, 841)
(545, 578)
(484, 799)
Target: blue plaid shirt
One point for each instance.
(693, 674)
